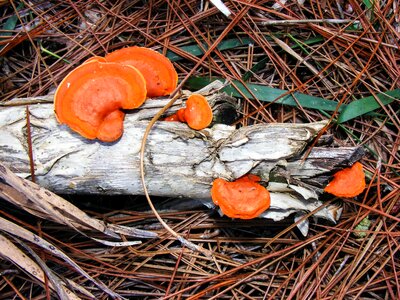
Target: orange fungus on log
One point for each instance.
(348, 182)
(158, 71)
(112, 127)
(90, 97)
(243, 198)
(198, 113)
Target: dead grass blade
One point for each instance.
(44, 203)
(18, 231)
(11, 252)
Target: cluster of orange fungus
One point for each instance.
(90, 98)
(197, 113)
(160, 74)
(348, 182)
(244, 198)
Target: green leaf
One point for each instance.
(197, 51)
(53, 54)
(368, 4)
(368, 104)
(11, 22)
(268, 94)
(347, 112)
(257, 67)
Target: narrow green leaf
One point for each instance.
(197, 51)
(310, 41)
(11, 22)
(268, 94)
(365, 105)
(264, 93)
(53, 54)
(257, 67)
(368, 4)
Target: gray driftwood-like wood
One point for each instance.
(179, 161)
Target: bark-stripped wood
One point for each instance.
(179, 161)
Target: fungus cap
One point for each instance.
(90, 97)
(160, 74)
(348, 182)
(243, 198)
(198, 113)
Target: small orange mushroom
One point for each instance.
(197, 114)
(160, 74)
(243, 198)
(348, 182)
(90, 97)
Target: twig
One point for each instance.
(29, 142)
(174, 97)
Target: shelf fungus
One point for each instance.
(348, 183)
(243, 198)
(90, 98)
(158, 71)
(197, 113)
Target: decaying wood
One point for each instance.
(179, 162)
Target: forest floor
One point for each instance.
(341, 51)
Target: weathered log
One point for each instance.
(179, 161)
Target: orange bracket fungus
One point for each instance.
(243, 198)
(158, 71)
(197, 114)
(90, 97)
(348, 182)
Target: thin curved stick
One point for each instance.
(181, 239)
(174, 97)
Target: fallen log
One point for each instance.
(179, 162)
